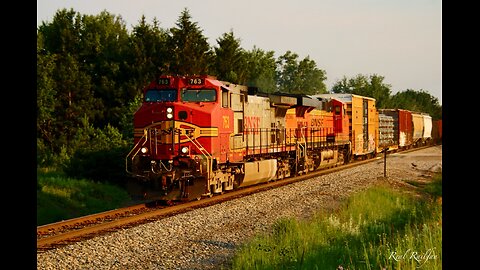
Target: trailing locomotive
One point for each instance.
(196, 136)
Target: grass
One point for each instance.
(434, 188)
(376, 229)
(60, 197)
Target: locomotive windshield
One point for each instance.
(161, 95)
(199, 95)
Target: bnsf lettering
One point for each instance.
(252, 124)
(317, 122)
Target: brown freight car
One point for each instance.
(437, 131)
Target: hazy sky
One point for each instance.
(400, 40)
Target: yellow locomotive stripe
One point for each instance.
(184, 128)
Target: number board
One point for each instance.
(196, 81)
(163, 81)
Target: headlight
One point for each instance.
(144, 150)
(169, 112)
(184, 150)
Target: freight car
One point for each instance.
(197, 136)
(437, 131)
(422, 128)
(386, 133)
(402, 127)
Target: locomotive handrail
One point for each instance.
(301, 148)
(207, 155)
(134, 148)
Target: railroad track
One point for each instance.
(69, 231)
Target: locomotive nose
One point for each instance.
(182, 115)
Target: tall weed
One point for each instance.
(375, 229)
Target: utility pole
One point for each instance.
(385, 162)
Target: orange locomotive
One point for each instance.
(197, 136)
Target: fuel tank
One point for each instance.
(257, 172)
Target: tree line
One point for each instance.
(91, 72)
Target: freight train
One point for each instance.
(196, 136)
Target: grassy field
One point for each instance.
(60, 197)
(379, 228)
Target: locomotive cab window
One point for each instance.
(161, 95)
(199, 95)
(337, 110)
(225, 102)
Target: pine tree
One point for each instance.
(190, 51)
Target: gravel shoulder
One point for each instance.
(207, 238)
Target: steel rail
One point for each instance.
(95, 229)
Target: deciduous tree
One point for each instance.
(299, 77)
(261, 69)
(369, 86)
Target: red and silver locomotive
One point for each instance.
(197, 136)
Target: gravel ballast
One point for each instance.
(207, 238)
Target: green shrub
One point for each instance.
(60, 197)
(106, 165)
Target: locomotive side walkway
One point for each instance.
(206, 238)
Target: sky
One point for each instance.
(400, 40)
